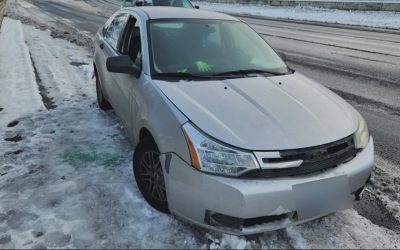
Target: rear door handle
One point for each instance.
(101, 45)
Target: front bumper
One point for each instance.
(196, 197)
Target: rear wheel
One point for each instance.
(149, 174)
(101, 101)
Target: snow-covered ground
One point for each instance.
(380, 19)
(16, 80)
(66, 181)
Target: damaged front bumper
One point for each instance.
(250, 206)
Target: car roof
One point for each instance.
(157, 12)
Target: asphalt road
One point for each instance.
(360, 65)
(83, 20)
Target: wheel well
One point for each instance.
(145, 133)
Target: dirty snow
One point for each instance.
(59, 27)
(345, 229)
(386, 184)
(380, 19)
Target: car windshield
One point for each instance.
(209, 47)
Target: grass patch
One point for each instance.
(2, 9)
(92, 158)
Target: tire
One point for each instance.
(101, 100)
(149, 174)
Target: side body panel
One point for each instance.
(161, 118)
(139, 103)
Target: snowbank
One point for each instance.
(379, 19)
(19, 94)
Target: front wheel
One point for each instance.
(149, 174)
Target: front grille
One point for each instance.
(314, 159)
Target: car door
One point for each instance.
(110, 47)
(100, 57)
(127, 83)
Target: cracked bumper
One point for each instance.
(193, 195)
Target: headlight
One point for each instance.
(213, 157)
(361, 137)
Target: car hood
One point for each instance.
(259, 113)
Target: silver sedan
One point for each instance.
(226, 135)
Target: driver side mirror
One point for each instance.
(123, 64)
(197, 7)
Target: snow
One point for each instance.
(386, 182)
(345, 229)
(18, 88)
(27, 5)
(280, 210)
(380, 19)
(69, 183)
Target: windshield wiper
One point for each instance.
(242, 72)
(184, 75)
(248, 71)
